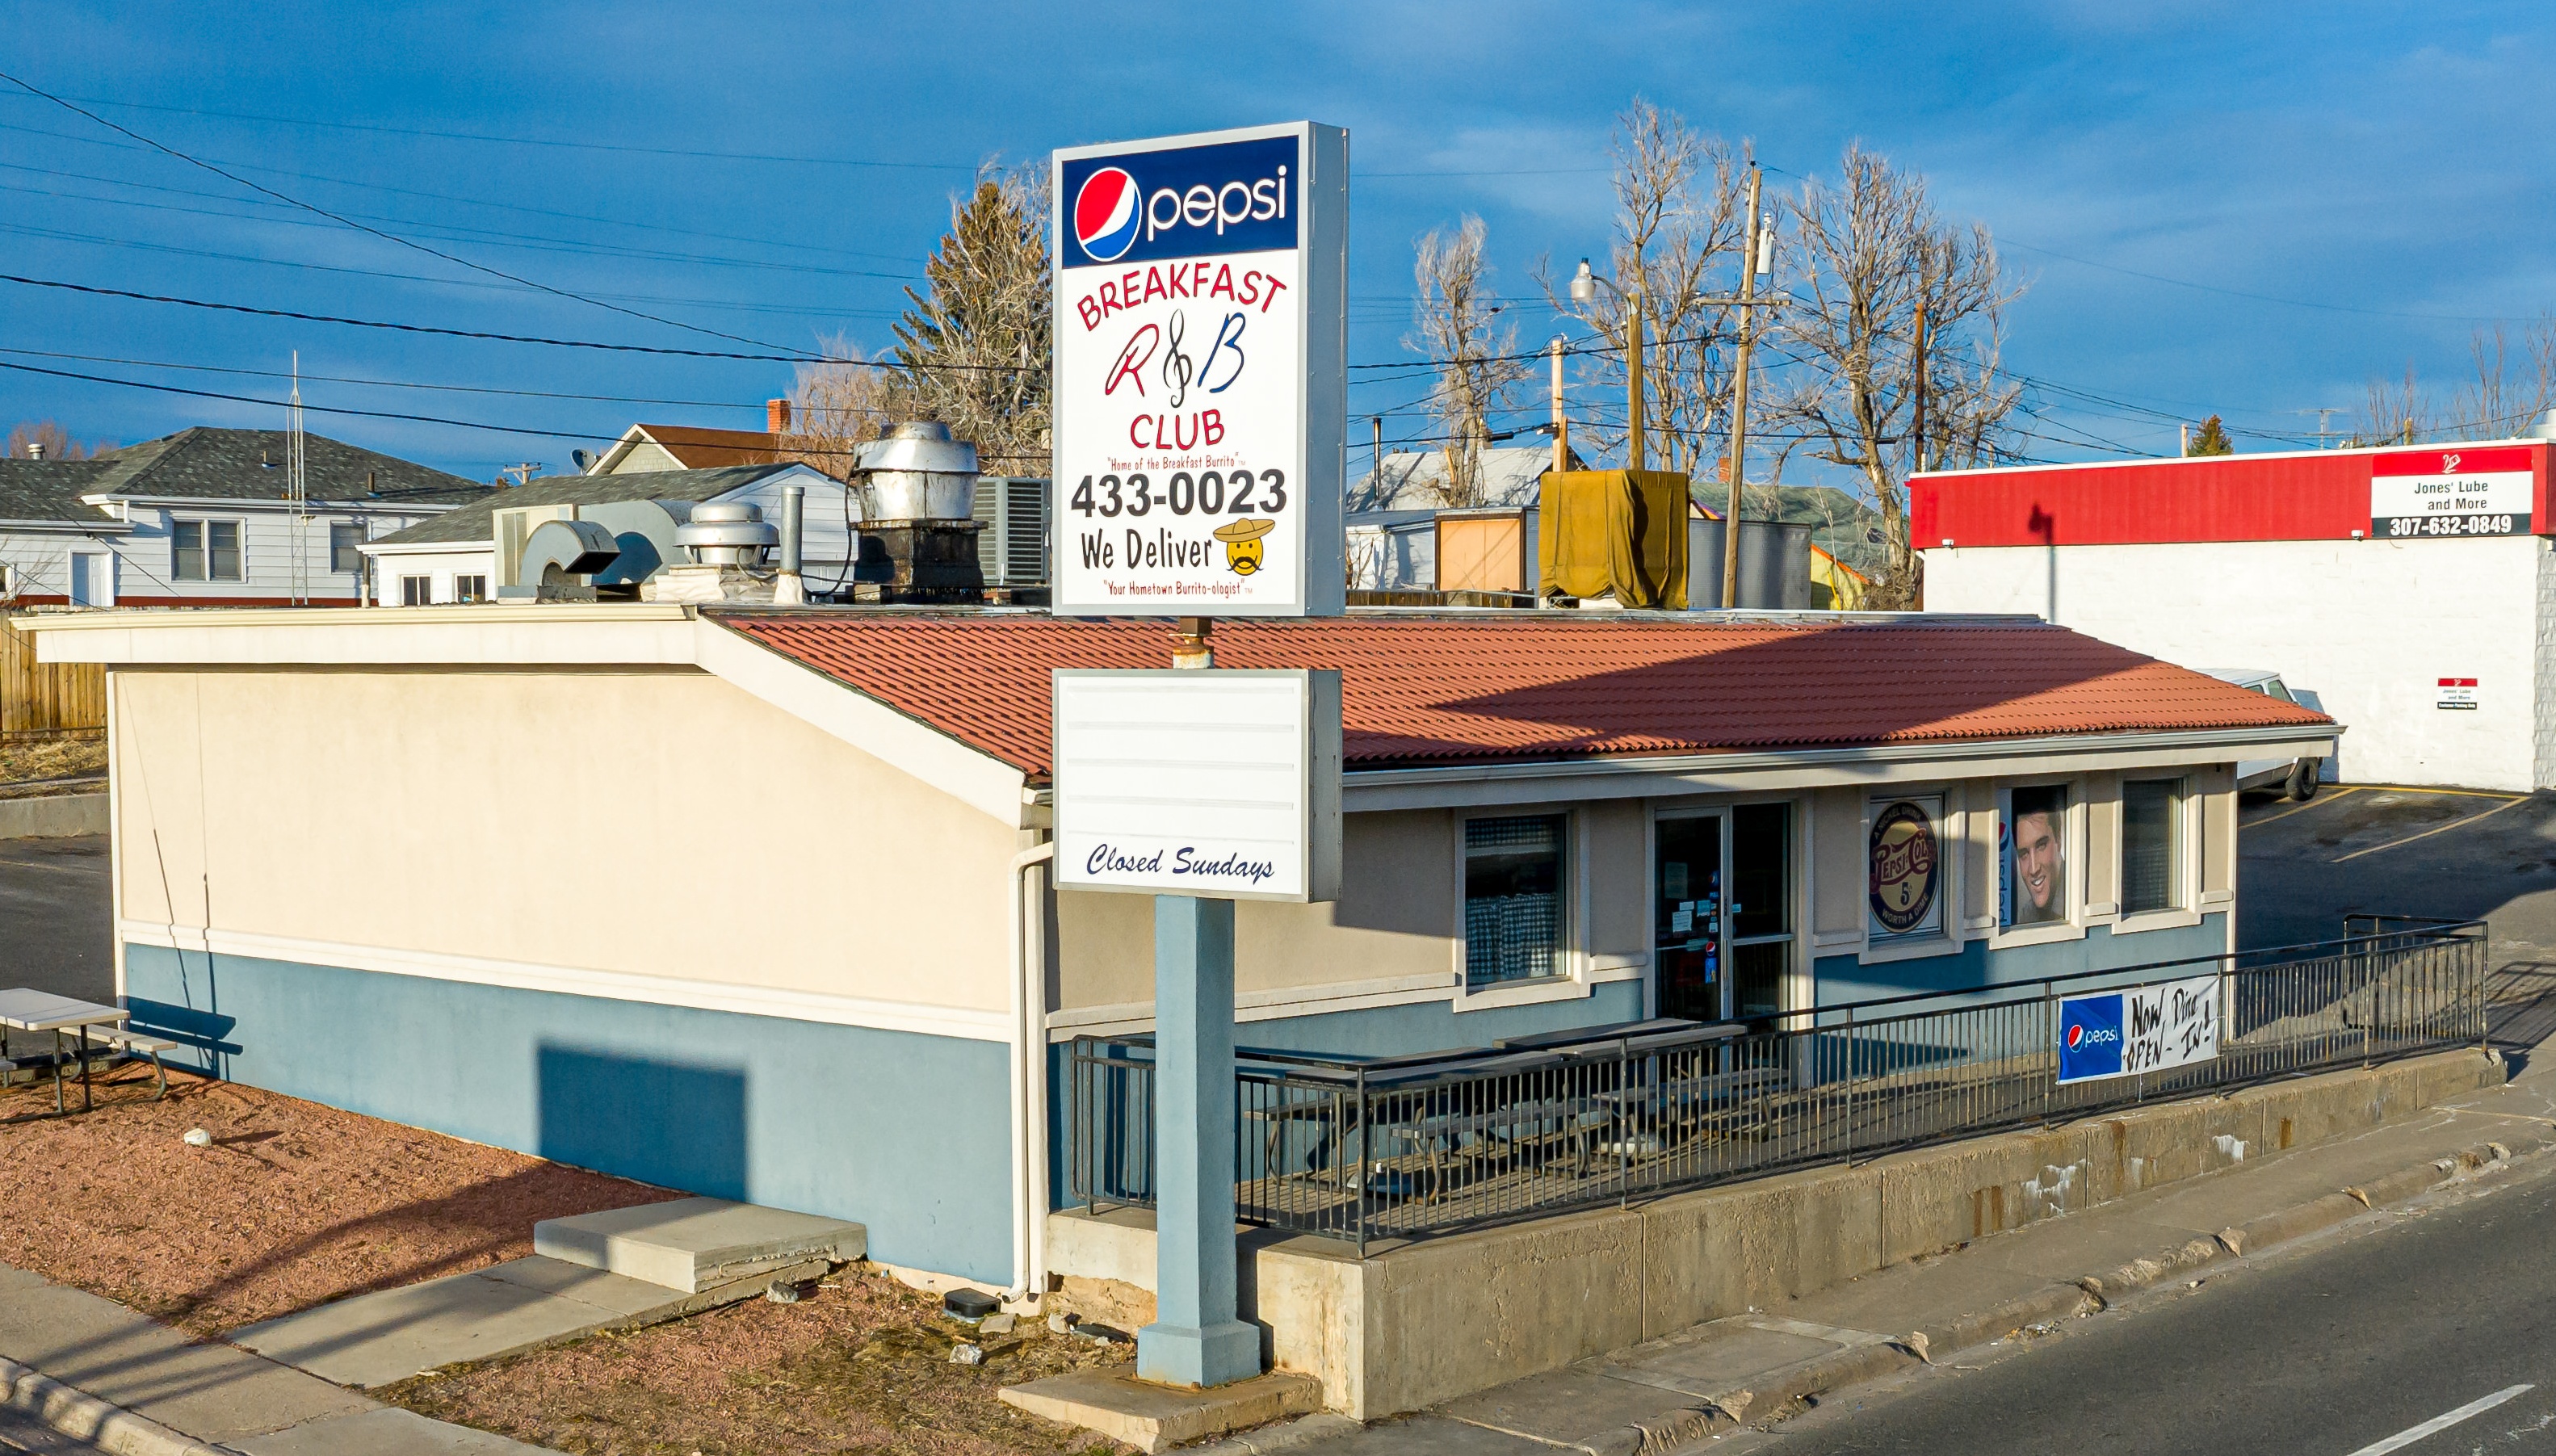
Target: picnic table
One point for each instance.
(26, 1011)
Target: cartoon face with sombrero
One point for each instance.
(1242, 544)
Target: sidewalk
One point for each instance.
(135, 1387)
(1707, 1380)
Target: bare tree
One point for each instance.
(974, 352)
(2513, 384)
(1458, 330)
(55, 443)
(1680, 209)
(2394, 412)
(836, 405)
(1896, 322)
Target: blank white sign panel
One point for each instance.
(1215, 783)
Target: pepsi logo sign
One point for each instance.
(1105, 214)
(1139, 205)
(2079, 1036)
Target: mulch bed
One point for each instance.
(296, 1204)
(292, 1205)
(861, 1366)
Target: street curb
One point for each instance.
(77, 1414)
(2089, 1295)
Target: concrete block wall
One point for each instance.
(1424, 1323)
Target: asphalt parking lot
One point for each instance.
(53, 914)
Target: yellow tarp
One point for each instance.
(1618, 531)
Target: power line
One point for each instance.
(373, 232)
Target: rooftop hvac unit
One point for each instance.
(1012, 549)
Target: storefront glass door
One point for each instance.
(1723, 955)
(1686, 896)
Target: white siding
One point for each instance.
(144, 571)
(2362, 629)
(438, 566)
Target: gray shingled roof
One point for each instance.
(50, 490)
(206, 463)
(474, 523)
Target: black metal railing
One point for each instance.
(1399, 1147)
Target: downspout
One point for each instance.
(1029, 1089)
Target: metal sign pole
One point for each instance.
(1196, 1338)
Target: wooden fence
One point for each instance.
(42, 699)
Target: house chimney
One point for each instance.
(35, 450)
(776, 416)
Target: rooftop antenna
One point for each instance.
(298, 490)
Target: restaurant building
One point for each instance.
(753, 903)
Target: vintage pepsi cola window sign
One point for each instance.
(1201, 373)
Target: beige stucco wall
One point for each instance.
(654, 822)
(1396, 917)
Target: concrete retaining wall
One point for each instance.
(1424, 1323)
(61, 816)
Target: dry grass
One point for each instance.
(293, 1205)
(296, 1204)
(23, 759)
(863, 1366)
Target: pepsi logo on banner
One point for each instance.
(2090, 1044)
(1183, 202)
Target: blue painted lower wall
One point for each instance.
(907, 1133)
(1976, 967)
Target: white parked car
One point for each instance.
(2296, 777)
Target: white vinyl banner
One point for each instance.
(2149, 1028)
(1201, 374)
(2467, 492)
(1219, 783)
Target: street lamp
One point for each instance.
(1583, 290)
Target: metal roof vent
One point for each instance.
(918, 473)
(727, 534)
(2545, 428)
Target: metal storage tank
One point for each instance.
(1774, 565)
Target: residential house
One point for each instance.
(204, 518)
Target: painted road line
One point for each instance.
(2319, 802)
(2427, 834)
(2438, 1423)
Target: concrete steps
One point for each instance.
(698, 1243)
(619, 1269)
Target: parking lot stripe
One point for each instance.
(2427, 834)
(2316, 802)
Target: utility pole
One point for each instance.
(1560, 426)
(1757, 254)
(521, 471)
(2185, 428)
(1635, 455)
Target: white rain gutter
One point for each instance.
(1029, 1089)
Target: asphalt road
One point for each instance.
(2333, 1349)
(53, 913)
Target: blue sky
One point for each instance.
(2240, 209)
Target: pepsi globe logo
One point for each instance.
(2079, 1036)
(1106, 217)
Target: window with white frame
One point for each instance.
(417, 591)
(469, 589)
(1513, 898)
(2151, 845)
(344, 537)
(204, 551)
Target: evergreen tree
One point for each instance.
(973, 351)
(2211, 438)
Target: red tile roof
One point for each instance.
(1460, 690)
